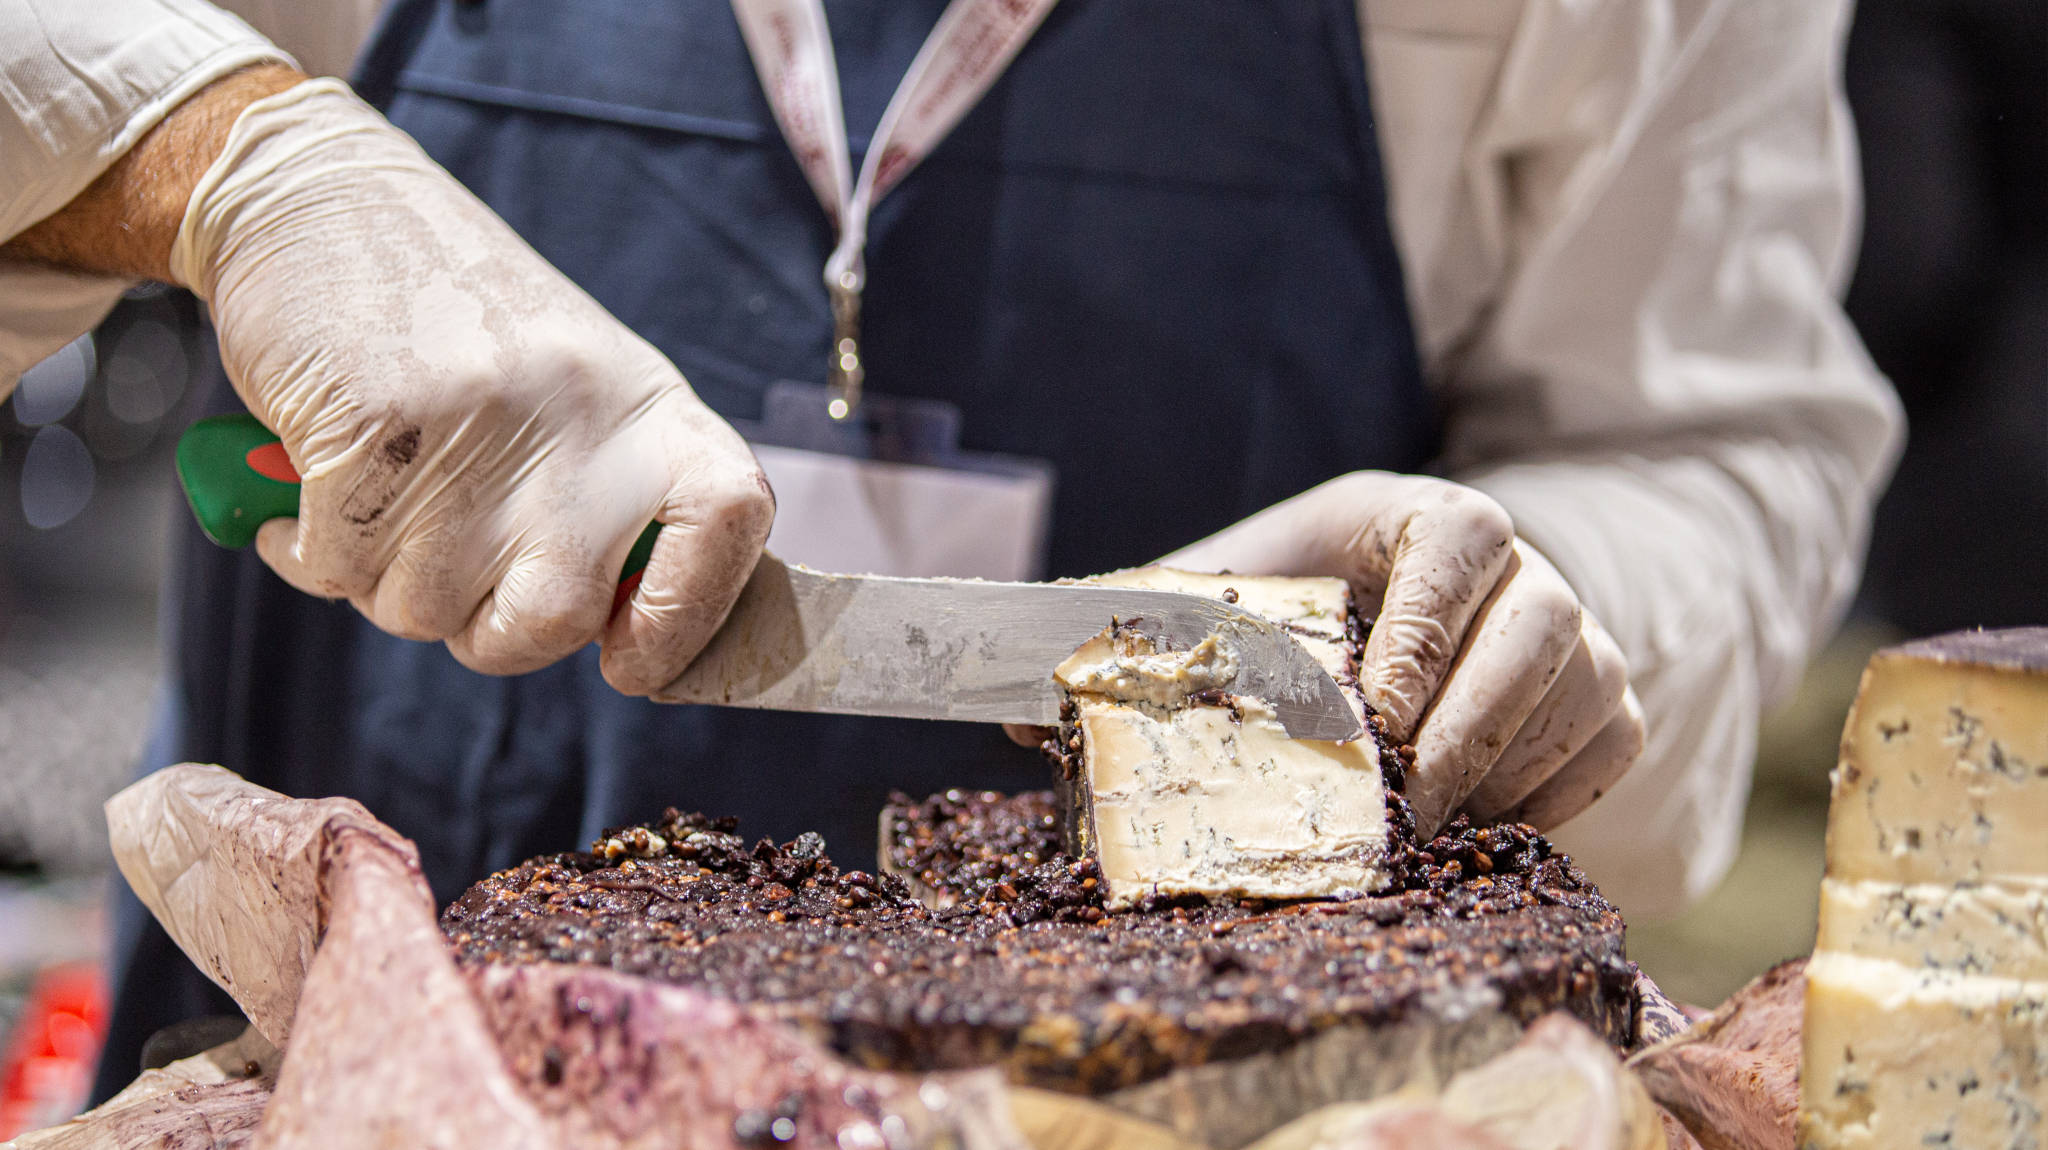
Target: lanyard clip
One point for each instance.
(846, 374)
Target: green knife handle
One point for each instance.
(237, 477)
(228, 466)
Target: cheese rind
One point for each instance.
(1927, 996)
(1184, 796)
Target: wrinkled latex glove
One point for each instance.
(480, 441)
(1517, 701)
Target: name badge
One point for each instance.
(889, 491)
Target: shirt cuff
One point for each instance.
(81, 83)
(42, 309)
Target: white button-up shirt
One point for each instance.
(1624, 225)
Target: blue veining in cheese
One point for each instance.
(1927, 996)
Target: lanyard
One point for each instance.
(792, 51)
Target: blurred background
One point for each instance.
(1951, 295)
(86, 491)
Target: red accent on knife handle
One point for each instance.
(270, 461)
(625, 591)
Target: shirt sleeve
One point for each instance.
(79, 84)
(1625, 280)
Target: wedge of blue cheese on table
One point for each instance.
(1178, 786)
(1927, 995)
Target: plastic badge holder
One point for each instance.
(889, 491)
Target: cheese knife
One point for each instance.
(803, 640)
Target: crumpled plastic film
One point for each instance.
(210, 1101)
(316, 917)
(234, 873)
(1733, 1078)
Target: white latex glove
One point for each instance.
(480, 441)
(1517, 701)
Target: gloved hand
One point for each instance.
(1517, 701)
(480, 441)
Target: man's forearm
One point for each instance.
(125, 221)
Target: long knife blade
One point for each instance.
(802, 640)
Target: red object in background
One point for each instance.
(47, 1074)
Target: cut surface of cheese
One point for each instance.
(1899, 1057)
(1927, 996)
(1944, 769)
(1180, 788)
(1968, 928)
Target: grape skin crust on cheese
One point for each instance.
(1927, 997)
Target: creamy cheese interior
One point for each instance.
(1927, 996)
(1211, 797)
(1125, 667)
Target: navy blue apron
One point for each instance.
(1157, 253)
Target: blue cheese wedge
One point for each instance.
(1178, 787)
(1927, 996)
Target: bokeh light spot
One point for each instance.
(145, 373)
(50, 389)
(56, 477)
